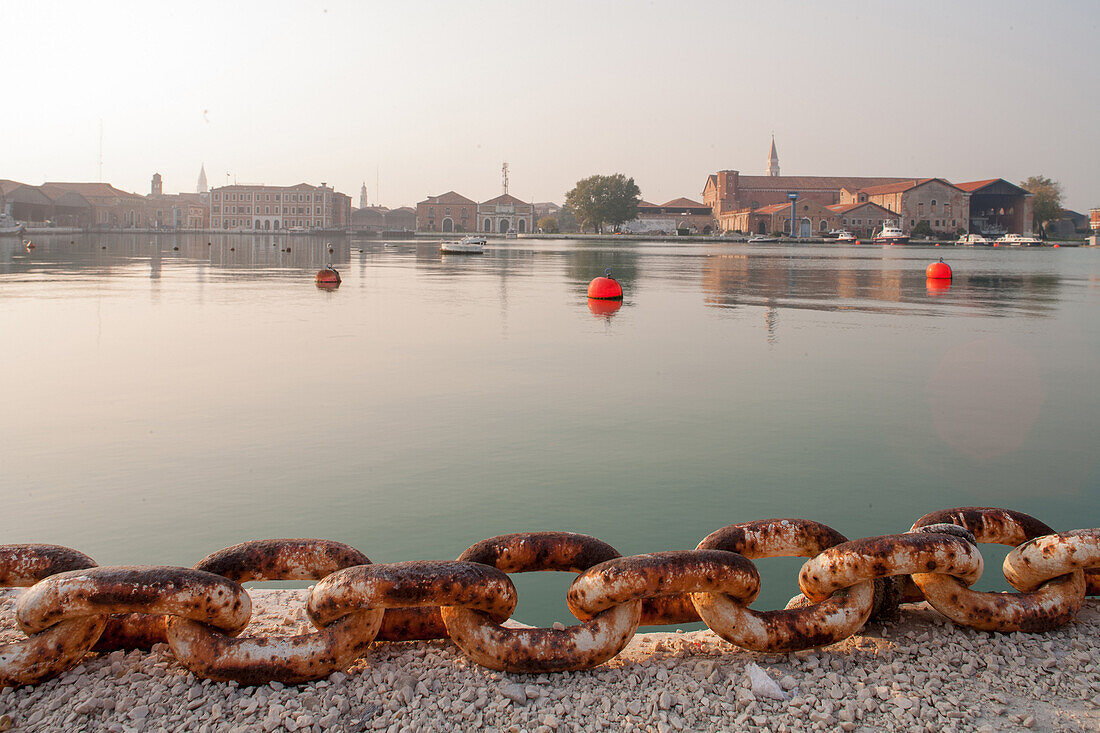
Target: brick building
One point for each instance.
(812, 218)
(680, 215)
(504, 214)
(997, 204)
(275, 208)
(864, 218)
(944, 206)
(447, 212)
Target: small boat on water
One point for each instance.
(845, 236)
(761, 238)
(1020, 240)
(10, 226)
(890, 233)
(472, 245)
(976, 240)
(835, 233)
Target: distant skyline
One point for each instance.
(435, 96)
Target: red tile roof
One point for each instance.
(506, 198)
(773, 208)
(845, 208)
(682, 202)
(449, 198)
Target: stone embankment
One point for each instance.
(918, 673)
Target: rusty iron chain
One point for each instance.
(72, 606)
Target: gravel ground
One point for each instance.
(918, 673)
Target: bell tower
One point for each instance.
(773, 160)
(157, 188)
(363, 196)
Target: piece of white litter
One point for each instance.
(763, 685)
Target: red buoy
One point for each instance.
(1055, 246)
(938, 271)
(605, 288)
(328, 276)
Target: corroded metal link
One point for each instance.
(637, 577)
(877, 557)
(766, 538)
(1043, 558)
(1053, 604)
(542, 650)
(990, 525)
(790, 629)
(192, 594)
(415, 583)
(131, 631)
(1042, 608)
(24, 565)
(288, 559)
(250, 660)
(774, 538)
(412, 624)
(54, 650)
(535, 551)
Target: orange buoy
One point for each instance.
(938, 271)
(1055, 246)
(328, 277)
(996, 245)
(605, 288)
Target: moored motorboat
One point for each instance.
(890, 233)
(10, 226)
(472, 245)
(761, 238)
(845, 236)
(1020, 240)
(976, 240)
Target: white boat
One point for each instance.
(976, 240)
(10, 226)
(760, 238)
(836, 233)
(472, 245)
(890, 233)
(1020, 240)
(845, 236)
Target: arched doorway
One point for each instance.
(762, 227)
(824, 226)
(521, 226)
(488, 227)
(805, 228)
(448, 225)
(276, 225)
(502, 226)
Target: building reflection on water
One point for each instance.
(777, 280)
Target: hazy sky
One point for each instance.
(436, 95)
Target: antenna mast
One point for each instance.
(504, 178)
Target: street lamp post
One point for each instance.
(793, 196)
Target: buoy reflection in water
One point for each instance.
(937, 286)
(604, 308)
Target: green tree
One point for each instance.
(599, 200)
(548, 225)
(1047, 204)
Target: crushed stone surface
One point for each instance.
(919, 673)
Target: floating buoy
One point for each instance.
(937, 244)
(996, 245)
(938, 271)
(605, 288)
(1055, 246)
(328, 277)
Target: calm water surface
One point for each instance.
(162, 403)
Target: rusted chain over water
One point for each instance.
(72, 606)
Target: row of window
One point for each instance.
(265, 225)
(267, 210)
(301, 197)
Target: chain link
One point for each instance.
(72, 606)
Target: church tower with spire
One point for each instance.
(363, 196)
(201, 186)
(773, 160)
